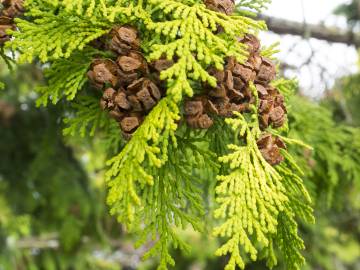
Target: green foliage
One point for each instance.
(36, 207)
(175, 199)
(250, 197)
(286, 87)
(258, 202)
(335, 158)
(65, 77)
(251, 7)
(270, 51)
(344, 99)
(48, 202)
(127, 174)
(89, 117)
(350, 10)
(53, 35)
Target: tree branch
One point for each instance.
(330, 34)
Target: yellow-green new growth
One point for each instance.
(259, 202)
(66, 77)
(54, 36)
(250, 197)
(149, 145)
(192, 37)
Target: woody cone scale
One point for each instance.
(10, 9)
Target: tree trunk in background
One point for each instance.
(321, 32)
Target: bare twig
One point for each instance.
(330, 34)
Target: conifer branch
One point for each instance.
(254, 197)
(250, 197)
(253, 5)
(54, 36)
(153, 182)
(148, 145)
(65, 77)
(89, 117)
(173, 201)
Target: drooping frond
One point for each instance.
(174, 200)
(65, 77)
(250, 197)
(286, 87)
(89, 117)
(257, 201)
(53, 35)
(335, 148)
(148, 145)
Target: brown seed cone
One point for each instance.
(195, 113)
(200, 122)
(233, 93)
(267, 72)
(224, 6)
(130, 123)
(124, 39)
(143, 94)
(252, 42)
(126, 104)
(102, 72)
(269, 147)
(129, 90)
(3, 35)
(156, 67)
(272, 110)
(11, 10)
(162, 64)
(132, 67)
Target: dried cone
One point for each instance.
(143, 95)
(157, 67)
(102, 72)
(124, 39)
(129, 106)
(3, 33)
(132, 67)
(11, 10)
(252, 42)
(272, 110)
(224, 6)
(129, 92)
(233, 93)
(267, 72)
(269, 147)
(196, 116)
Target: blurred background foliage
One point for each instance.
(53, 213)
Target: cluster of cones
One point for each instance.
(10, 9)
(130, 88)
(233, 92)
